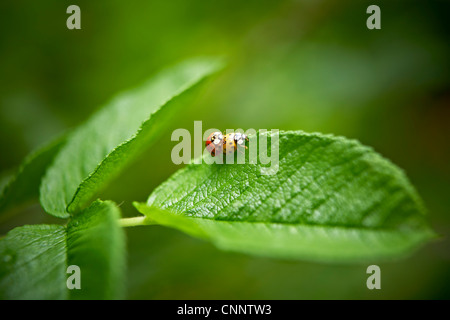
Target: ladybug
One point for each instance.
(214, 143)
(217, 143)
(233, 141)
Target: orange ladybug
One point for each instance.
(233, 141)
(217, 143)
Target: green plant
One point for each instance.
(332, 200)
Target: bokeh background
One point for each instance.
(302, 65)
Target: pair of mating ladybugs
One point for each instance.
(217, 143)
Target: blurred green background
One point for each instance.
(303, 65)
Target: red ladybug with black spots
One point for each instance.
(214, 143)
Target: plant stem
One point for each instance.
(132, 222)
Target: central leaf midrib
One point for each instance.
(299, 224)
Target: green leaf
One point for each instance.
(332, 199)
(96, 243)
(33, 263)
(34, 259)
(23, 186)
(98, 150)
